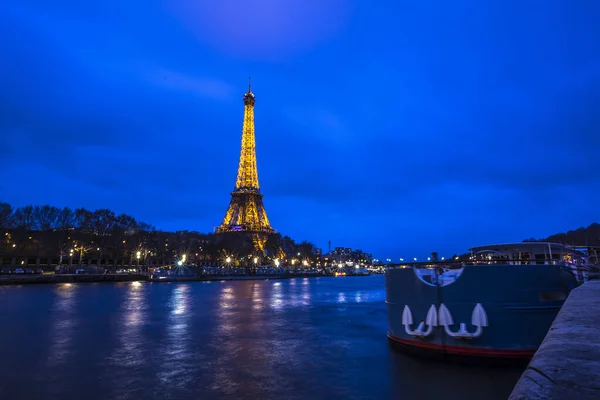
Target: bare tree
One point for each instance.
(83, 219)
(65, 219)
(125, 222)
(103, 221)
(142, 226)
(45, 217)
(6, 215)
(81, 249)
(24, 218)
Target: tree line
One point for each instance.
(46, 217)
(48, 231)
(583, 236)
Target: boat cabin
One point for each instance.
(526, 253)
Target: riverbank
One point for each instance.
(98, 278)
(567, 364)
(69, 278)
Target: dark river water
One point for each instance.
(317, 338)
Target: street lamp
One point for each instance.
(277, 262)
(255, 260)
(228, 260)
(137, 260)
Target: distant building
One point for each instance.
(345, 255)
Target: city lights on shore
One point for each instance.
(148, 251)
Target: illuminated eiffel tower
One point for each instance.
(246, 212)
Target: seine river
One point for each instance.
(317, 338)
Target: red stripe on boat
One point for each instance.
(466, 351)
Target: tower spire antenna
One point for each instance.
(249, 84)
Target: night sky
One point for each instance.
(398, 127)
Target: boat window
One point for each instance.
(540, 258)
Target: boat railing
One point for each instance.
(457, 264)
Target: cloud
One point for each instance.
(260, 29)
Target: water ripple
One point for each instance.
(304, 338)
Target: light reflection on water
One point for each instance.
(276, 296)
(133, 314)
(358, 297)
(174, 369)
(257, 301)
(304, 338)
(63, 325)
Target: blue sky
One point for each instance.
(399, 127)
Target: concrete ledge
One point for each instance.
(567, 364)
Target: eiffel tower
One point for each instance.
(246, 212)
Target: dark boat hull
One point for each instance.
(520, 302)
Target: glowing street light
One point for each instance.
(183, 257)
(228, 260)
(255, 260)
(277, 262)
(305, 263)
(138, 255)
